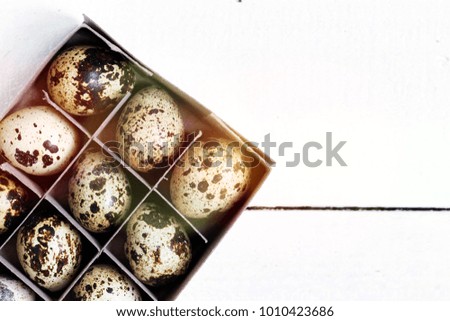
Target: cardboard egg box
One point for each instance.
(49, 194)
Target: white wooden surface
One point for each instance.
(375, 73)
(328, 256)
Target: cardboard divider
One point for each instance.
(184, 149)
(22, 177)
(21, 276)
(107, 138)
(111, 115)
(31, 203)
(66, 114)
(198, 246)
(59, 197)
(119, 228)
(77, 123)
(15, 229)
(104, 259)
(182, 216)
(81, 151)
(79, 275)
(124, 269)
(62, 211)
(122, 163)
(9, 253)
(43, 182)
(4, 271)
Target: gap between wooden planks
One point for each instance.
(345, 208)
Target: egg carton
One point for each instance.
(49, 194)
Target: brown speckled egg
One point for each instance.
(157, 247)
(209, 178)
(13, 201)
(38, 140)
(99, 192)
(104, 283)
(14, 290)
(150, 129)
(88, 80)
(49, 251)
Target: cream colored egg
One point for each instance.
(99, 192)
(14, 290)
(13, 201)
(38, 140)
(105, 283)
(49, 251)
(157, 247)
(210, 178)
(87, 80)
(150, 129)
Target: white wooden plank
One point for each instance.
(328, 256)
(375, 73)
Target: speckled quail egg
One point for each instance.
(99, 192)
(157, 246)
(210, 178)
(14, 290)
(49, 251)
(87, 80)
(38, 140)
(150, 129)
(104, 283)
(13, 201)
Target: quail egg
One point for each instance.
(14, 290)
(38, 140)
(99, 192)
(150, 129)
(157, 247)
(13, 201)
(49, 251)
(104, 283)
(87, 80)
(209, 178)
